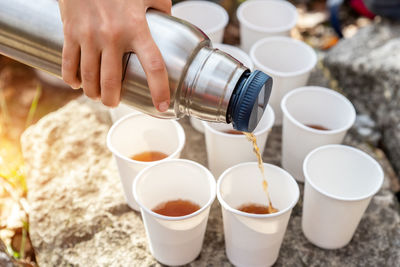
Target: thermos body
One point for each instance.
(204, 82)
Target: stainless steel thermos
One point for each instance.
(205, 83)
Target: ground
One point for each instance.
(24, 99)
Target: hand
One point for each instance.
(96, 35)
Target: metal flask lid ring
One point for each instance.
(249, 100)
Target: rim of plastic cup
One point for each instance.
(228, 48)
(345, 147)
(325, 91)
(178, 127)
(210, 178)
(258, 132)
(270, 71)
(252, 215)
(224, 14)
(242, 19)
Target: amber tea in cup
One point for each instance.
(233, 132)
(256, 209)
(317, 127)
(176, 208)
(149, 156)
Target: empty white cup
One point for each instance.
(175, 240)
(238, 54)
(312, 105)
(340, 182)
(264, 18)
(255, 239)
(137, 133)
(288, 61)
(225, 150)
(209, 17)
(121, 111)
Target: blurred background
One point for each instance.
(26, 95)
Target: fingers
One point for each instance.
(70, 64)
(153, 65)
(110, 76)
(97, 55)
(90, 71)
(161, 5)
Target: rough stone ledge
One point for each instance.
(79, 217)
(367, 67)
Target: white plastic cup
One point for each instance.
(137, 133)
(312, 105)
(121, 111)
(255, 239)
(340, 182)
(289, 62)
(225, 150)
(209, 17)
(264, 18)
(175, 240)
(238, 54)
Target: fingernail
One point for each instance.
(163, 106)
(76, 86)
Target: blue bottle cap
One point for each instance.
(249, 100)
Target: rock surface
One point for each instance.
(79, 217)
(5, 259)
(367, 68)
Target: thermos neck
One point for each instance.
(208, 85)
(219, 88)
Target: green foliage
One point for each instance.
(34, 104)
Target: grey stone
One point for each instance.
(79, 217)
(391, 143)
(317, 77)
(367, 68)
(5, 259)
(366, 129)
